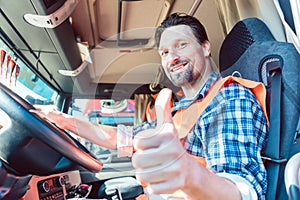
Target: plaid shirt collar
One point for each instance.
(184, 103)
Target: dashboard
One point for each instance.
(53, 187)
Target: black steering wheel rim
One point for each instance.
(17, 110)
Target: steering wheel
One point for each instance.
(25, 124)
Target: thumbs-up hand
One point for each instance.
(160, 159)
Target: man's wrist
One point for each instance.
(124, 140)
(67, 122)
(245, 188)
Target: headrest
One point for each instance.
(250, 48)
(250, 51)
(240, 38)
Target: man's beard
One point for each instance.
(180, 79)
(183, 78)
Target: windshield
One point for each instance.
(103, 111)
(16, 75)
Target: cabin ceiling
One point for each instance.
(123, 41)
(120, 44)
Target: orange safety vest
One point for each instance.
(185, 119)
(185, 124)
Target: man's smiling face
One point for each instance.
(181, 55)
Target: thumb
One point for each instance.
(163, 107)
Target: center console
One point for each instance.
(54, 187)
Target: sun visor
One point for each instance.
(120, 23)
(129, 64)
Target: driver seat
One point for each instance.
(251, 51)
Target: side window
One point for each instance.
(16, 75)
(103, 111)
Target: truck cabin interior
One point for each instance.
(103, 51)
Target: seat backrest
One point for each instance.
(251, 51)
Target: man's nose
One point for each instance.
(173, 58)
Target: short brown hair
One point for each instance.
(182, 19)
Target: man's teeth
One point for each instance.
(177, 67)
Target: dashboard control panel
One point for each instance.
(53, 187)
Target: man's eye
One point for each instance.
(164, 53)
(182, 45)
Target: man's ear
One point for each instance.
(206, 48)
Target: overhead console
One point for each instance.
(121, 38)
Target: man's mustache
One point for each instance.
(178, 62)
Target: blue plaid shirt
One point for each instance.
(230, 133)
